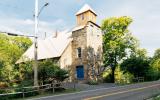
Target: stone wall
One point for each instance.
(79, 40)
(88, 37)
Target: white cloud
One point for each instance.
(26, 26)
(146, 17)
(9, 30)
(29, 21)
(145, 14)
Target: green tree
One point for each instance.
(157, 54)
(154, 72)
(22, 42)
(11, 48)
(136, 66)
(139, 64)
(117, 41)
(49, 71)
(140, 53)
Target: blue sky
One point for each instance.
(17, 16)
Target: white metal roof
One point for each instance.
(49, 48)
(85, 8)
(78, 28)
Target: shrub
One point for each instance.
(93, 82)
(49, 70)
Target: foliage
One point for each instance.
(140, 53)
(11, 48)
(49, 70)
(136, 66)
(157, 54)
(93, 82)
(107, 76)
(121, 77)
(154, 72)
(117, 41)
(25, 71)
(61, 75)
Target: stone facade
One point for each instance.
(83, 56)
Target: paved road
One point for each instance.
(139, 91)
(86, 87)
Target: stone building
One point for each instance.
(78, 50)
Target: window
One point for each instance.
(82, 17)
(79, 55)
(91, 30)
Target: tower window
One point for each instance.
(82, 16)
(79, 52)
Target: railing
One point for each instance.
(25, 90)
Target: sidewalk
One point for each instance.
(84, 87)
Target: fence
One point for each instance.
(25, 90)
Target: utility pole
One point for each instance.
(35, 65)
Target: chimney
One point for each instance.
(56, 34)
(45, 35)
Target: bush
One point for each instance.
(123, 77)
(61, 75)
(107, 76)
(93, 82)
(49, 70)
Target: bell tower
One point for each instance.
(85, 14)
(86, 35)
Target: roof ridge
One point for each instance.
(85, 8)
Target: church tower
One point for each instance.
(85, 14)
(85, 36)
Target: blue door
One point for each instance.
(80, 72)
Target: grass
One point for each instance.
(156, 98)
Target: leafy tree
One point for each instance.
(117, 41)
(25, 71)
(154, 72)
(61, 75)
(11, 48)
(22, 42)
(49, 71)
(136, 66)
(157, 54)
(140, 53)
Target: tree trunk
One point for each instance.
(113, 68)
(113, 75)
